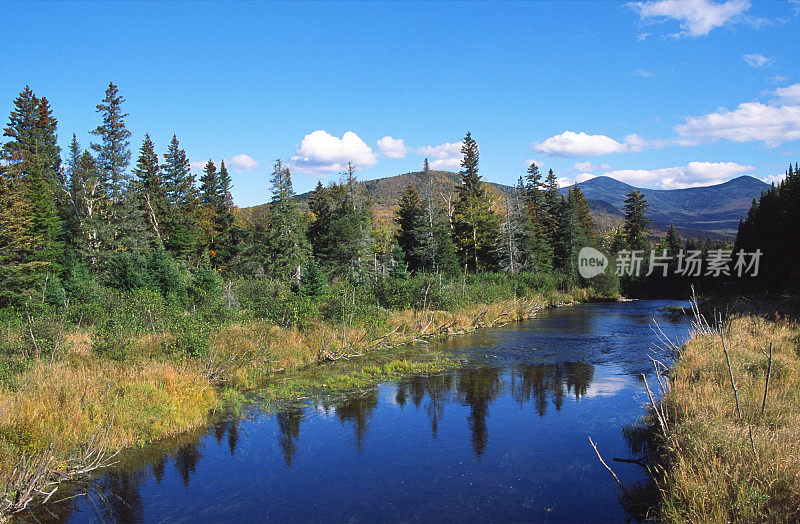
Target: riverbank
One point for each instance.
(66, 413)
(729, 446)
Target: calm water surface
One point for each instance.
(503, 439)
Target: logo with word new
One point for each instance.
(591, 262)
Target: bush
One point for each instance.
(126, 272)
(205, 285)
(163, 274)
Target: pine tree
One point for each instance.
(320, 205)
(533, 191)
(352, 225)
(515, 247)
(151, 186)
(673, 242)
(552, 207)
(571, 238)
(32, 171)
(181, 230)
(410, 220)
(113, 153)
(637, 225)
(209, 187)
(312, 281)
(286, 242)
(584, 214)
(224, 187)
(436, 252)
(475, 227)
(126, 216)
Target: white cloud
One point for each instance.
(644, 73)
(198, 165)
(696, 17)
(787, 95)
(242, 163)
(446, 157)
(392, 147)
(446, 150)
(756, 60)
(584, 166)
(445, 164)
(322, 153)
(774, 179)
(583, 177)
(571, 144)
(750, 122)
(694, 174)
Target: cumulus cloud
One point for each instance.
(571, 144)
(392, 147)
(446, 157)
(584, 166)
(538, 163)
(198, 165)
(696, 17)
(757, 60)
(322, 153)
(568, 181)
(774, 179)
(786, 95)
(750, 122)
(242, 163)
(694, 174)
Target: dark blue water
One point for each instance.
(503, 439)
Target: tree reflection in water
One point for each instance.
(289, 427)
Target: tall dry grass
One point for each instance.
(729, 464)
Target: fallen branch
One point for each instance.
(603, 462)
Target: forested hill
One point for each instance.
(711, 210)
(385, 192)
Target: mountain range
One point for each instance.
(712, 211)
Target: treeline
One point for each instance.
(98, 216)
(773, 226)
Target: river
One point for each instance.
(504, 438)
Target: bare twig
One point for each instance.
(766, 385)
(730, 372)
(662, 421)
(753, 442)
(603, 462)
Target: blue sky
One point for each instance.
(658, 94)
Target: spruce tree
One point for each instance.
(637, 225)
(475, 227)
(436, 252)
(181, 230)
(151, 186)
(319, 233)
(31, 165)
(584, 214)
(126, 216)
(410, 221)
(113, 153)
(673, 242)
(209, 187)
(286, 242)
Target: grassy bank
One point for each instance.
(81, 382)
(731, 448)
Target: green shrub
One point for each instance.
(126, 271)
(163, 274)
